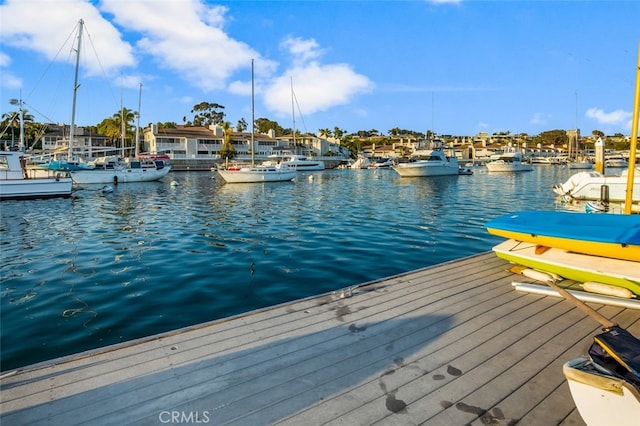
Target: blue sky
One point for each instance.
(456, 67)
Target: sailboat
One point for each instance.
(107, 170)
(116, 170)
(256, 173)
(577, 161)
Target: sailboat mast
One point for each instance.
(293, 114)
(122, 127)
(75, 91)
(137, 140)
(253, 119)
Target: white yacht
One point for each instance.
(428, 162)
(509, 161)
(297, 162)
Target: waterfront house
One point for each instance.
(198, 147)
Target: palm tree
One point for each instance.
(338, 132)
(10, 120)
(325, 132)
(122, 118)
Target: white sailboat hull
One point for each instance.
(257, 174)
(119, 175)
(601, 399)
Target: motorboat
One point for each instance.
(581, 164)
(616, 162)
(381, 163)
(297, 162)
(589, 186)
(509, 161)
(362, 162)
(428, 162)
(465, 171)
(17, 183)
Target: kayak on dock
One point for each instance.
(608, 235)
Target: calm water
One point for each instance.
(99, 269)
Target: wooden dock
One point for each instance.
(452, 344)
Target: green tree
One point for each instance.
(242, 125)
(166, 125)
(263, 125)
(227, 151)
(111, 129)
(10, 120)
(206, 113)
(338, 133)
(325, 132)
(598, 133)
(33, 134)
(395, 131)
(555, 137)
(124, 119)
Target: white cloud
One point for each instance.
(301, 50)
(47, 27)
(5, 60)
(539, 118)
(617, 117)
(7, 78)
(317, 86)
(179, 39)
(186, 37)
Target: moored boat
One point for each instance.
(362, 162)
(257, 173)
(428, 162)
(296, 162)
(589, 186)
(17, 183)
(381, 163)
(509, 161)
(146, 169)
(607, 235)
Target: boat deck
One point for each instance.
(452, 344)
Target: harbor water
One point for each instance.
(106, 267)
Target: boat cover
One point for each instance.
(604, 228)
(618, 351)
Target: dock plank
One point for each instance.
(449, 344)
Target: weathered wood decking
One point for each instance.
(452, 344)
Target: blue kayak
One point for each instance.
(609, 235)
